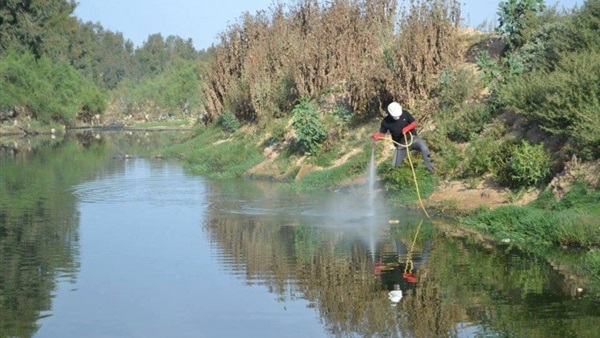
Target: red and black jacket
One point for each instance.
(406, 123)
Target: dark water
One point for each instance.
(94, 243)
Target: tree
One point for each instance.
(39, 26)
(152, 56)
(517, 18)
(179, 48)
(102, 55)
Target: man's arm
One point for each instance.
(412, 123)
(382, 130)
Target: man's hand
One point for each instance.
(377, 136)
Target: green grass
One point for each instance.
(213, 153)
(399, 182)
(571, 221)
(328, 178)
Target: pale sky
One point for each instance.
(203, 20)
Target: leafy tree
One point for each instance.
(181, 86)
(39, 26)
(517, 19)
(177, 48)
(102, 55)
(174, 91)
(152, 56)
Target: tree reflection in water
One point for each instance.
(344, 266)
(450, 287)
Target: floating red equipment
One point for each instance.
(410, 277)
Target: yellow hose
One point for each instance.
(408, 144)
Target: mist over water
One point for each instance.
(372, 172)
(360, 211)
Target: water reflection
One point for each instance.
(39, 221)
(449, 287)
(99, 245)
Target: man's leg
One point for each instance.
(419, 143)
(399, 155)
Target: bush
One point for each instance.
(52, 92)
(565, 102)
(310, 131)
(446, 154)
(400, 183)
(529, 165)
(228, 121)
(491, 72)
(456, 86)
(540, 51)
(460, 125)
(487, 153)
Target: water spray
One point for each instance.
(407, 145)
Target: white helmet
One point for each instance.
(395, 110)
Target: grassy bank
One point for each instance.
(570, 223)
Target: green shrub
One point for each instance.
(456, 86)
(228, 121)
(52, 92)
(341, 120)
(310, 130)
(446, 155)
(400, 182)
(17, 78)
(529, 165)
(460, 125)
(540, 51)
(486, 153)
(491, 72)
(581, 33)
(564, 102)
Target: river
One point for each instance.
(100, 239)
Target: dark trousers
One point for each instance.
(417, 144)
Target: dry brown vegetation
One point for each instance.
(367, 51)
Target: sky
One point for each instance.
(202, 20)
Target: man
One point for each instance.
(400, 123)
